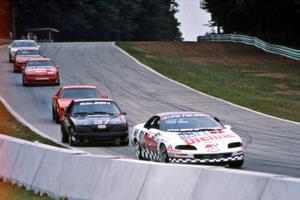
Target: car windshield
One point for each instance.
(191, 123)
(40, 63)
(29, 53)
(95, 107)
(24, 44)
(79, 93)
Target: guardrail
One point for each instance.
(63, 173)
(271, 48)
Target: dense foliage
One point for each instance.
(101, 19)
(272, 20)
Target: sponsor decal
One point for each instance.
(212, 148)
(94, 103)
(207, 138)
(180, 116)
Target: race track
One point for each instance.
(271, 145)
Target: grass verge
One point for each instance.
(13, 192)
(237, 73)
(11, 127)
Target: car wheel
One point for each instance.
(236, 164)
(138, 151)
(164, 154)
(58, 82)
(24, 82)
(55, 116)
(64, 136)
(15, 69)
(9, 58)
(72, 142)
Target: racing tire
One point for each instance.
(9, 58)
(64, 136)
(138, 152)
(58, 82)
(71, 142)
(24, 83)
(15, 69)
(236, 164)
(164, 154)
(55, 116)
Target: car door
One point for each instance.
(152, 136)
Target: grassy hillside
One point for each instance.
(238, 73)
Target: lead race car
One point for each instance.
(187, 137)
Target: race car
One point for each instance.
(66, 94)
(23, 55)
(15, 45)
(94, 120)
(187, 137)
(40, 71)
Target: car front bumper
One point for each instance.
(40, 79)
(207, 160)
(110, 134)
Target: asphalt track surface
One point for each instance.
(272, 145)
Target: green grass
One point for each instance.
(13, 192)
(237, 82)
(13, 128)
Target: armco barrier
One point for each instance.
(67, 173)
(271, 48)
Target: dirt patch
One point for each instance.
(282, 86)
(285, 90)
(271, 75)
(214, 52)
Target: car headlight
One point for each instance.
(50, 73)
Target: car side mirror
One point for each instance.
(217, 119)
(227, 127)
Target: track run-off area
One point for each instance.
(271, 145)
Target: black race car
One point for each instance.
(94, 120)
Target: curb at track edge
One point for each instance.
(23, 121)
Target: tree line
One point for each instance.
(273, 20)
(100, 19)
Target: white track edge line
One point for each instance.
(202, 93)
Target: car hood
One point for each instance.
(98, 119)
(40, 70)
(208, 141)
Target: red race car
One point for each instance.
(66, 94)
(40, 71)
(23, 55)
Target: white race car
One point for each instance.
(187, 137)
(17, 44)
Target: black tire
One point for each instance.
(15, 69)
(55, 116)
(64, 136)
(236, 164)
(164, 154)
(58, 82)
(9, 58)
(71, 142)
(138, 151)
(24, 83)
